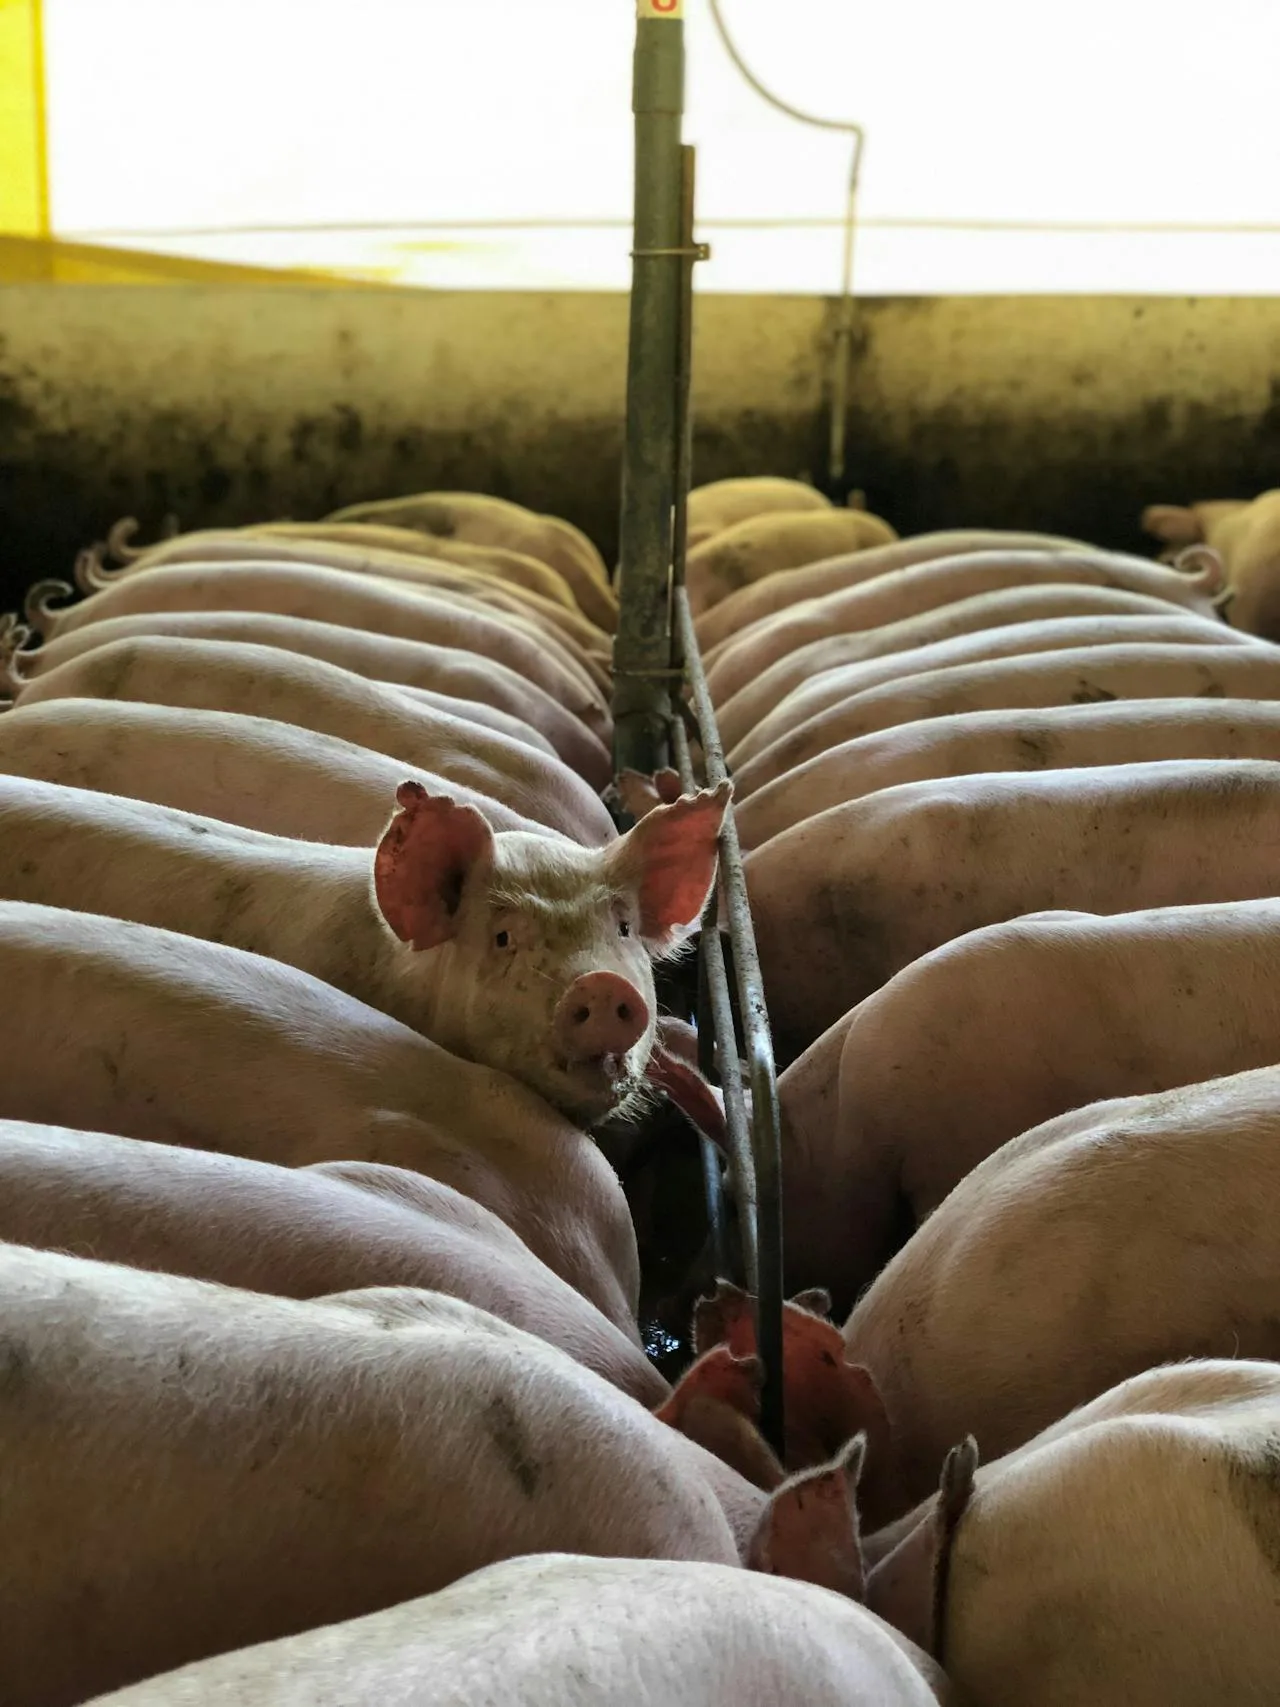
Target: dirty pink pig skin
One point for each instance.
(832, 688)
(1084, 676)
(994, 1033)
(1148, 1513)
(333, 1456)
(585, 645)
(744, 710)
(845, 900)
(528, 953)
(748, 605)
(350, 601)
(1055, 737)
(905, 592)
(27, 665)
(249, 771)
(988, 1321)
(157, 1036)
(295, 1233)
(411, 1439)
(484, 690)
(261, 681)
(657, 1630)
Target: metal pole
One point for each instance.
(642, 648)
(766, 1118)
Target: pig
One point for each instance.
(461, 588)
(297, 1232)
(249, 771)
(189, 1468)
(824, 692)
(993, 1034)
(833, 574)
(554, 610)
(1246, 534)
(847, 899)
(546, 1631)
(351, 601)
(125, 1028)
(342, 545)
(1084, 675)
(478, 520)
(739, 715)
(461, 683)
(1057, 737)
(262, 681)
(526, 953)
(906, 592)
(769, 544)
(451, 581)
(21, 663)
(722, 504)
(1126, 1554)
(1130, 1233)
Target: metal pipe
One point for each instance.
(719, 1031)
(766, 1123)
(642, 648)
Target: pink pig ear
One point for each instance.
(716, 1403)
(809, 1529)
(423, 861)
(1172, 523)
(828, 1399)
(669, 858)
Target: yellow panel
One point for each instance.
(24, 169)
(26, 260)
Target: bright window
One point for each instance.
(1124, 145)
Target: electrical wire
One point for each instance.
(842, 359)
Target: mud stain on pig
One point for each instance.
(1088, 695)
(1253, 1481)
(108, 679)
(15, 1368)
(227, 907)
(503, 1428)
(1034, 751)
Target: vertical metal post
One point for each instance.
(642, 648)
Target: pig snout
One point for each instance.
(600, 1014)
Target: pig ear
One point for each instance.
(955, 1490)
(1172, 523)
(638, 794)
(673, 1067)
(669, 858)
(828, 1398)
(908, 1587)
(715, 1403)
(809, 1529)
(422, 863)
(720, 1319)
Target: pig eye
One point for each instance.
(502, 939)
(624, 929)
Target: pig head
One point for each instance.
(538, 953)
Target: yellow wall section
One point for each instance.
(24, 167)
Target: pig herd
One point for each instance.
(324, 967)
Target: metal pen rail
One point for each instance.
(658, 662)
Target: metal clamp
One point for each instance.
(694, 252)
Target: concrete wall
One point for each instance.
(226, 404)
